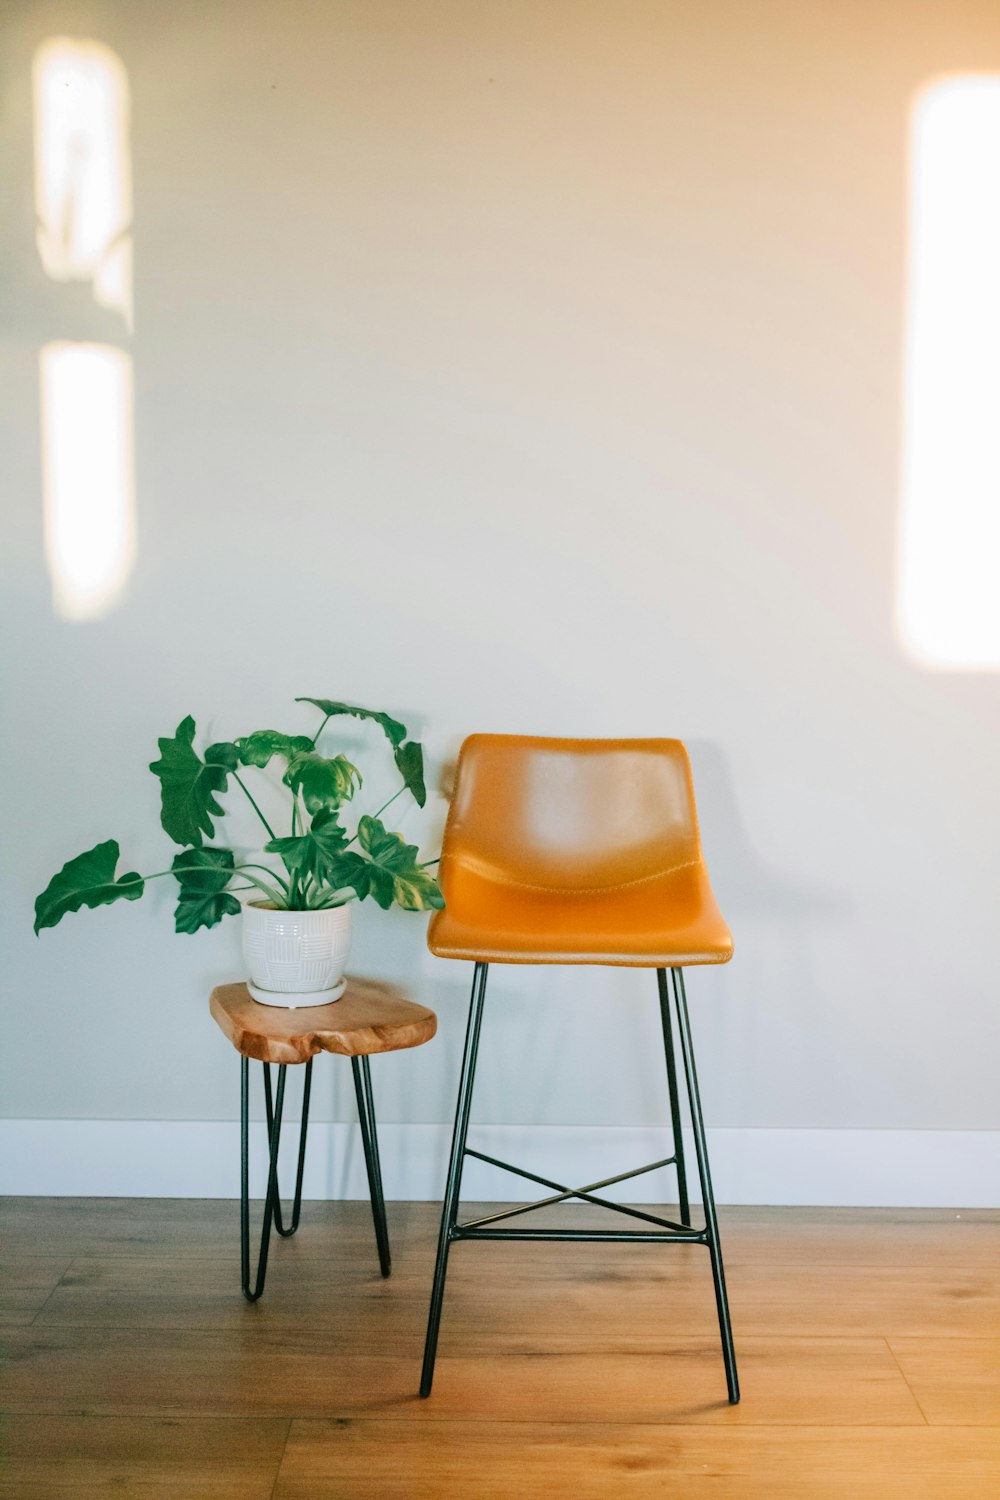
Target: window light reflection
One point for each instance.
(86, 392)
(83, 180)
(949, 581)
(83, 196)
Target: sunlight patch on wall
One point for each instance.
(83, 197)
(83, 179)
(949, 573)
(87, 475)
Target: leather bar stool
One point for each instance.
(560, 851)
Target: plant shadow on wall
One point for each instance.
(317, 866)
(784, 927)
(782, 932)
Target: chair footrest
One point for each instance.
(584, 1194)
(619, 1236)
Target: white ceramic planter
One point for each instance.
(296, 957)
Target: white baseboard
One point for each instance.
(200, 1159)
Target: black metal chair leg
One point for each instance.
(274, 1137)
(369, 1140)
(286, 1234)
(386, 1260)
(675, 1103)
(708, 1198)
(449, 1212)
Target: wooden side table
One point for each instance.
(369, 1017)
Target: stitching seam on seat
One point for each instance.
(597, 890)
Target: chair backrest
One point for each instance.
(571, 814)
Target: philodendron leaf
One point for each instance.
(324, 784)
(203, 875)
(410, 764)
(391, 873)
(409, 757)
(394, 731)
(316, 852)
(188, 784)
(87, 880)
(257, 749)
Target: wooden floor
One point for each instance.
(868, 1340)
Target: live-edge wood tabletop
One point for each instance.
(369, 1017)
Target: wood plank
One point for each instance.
(893, 1237)
(648, 1294)
(158, 1458)
(956, 1381)
(195, 1227)
(812, 1236)
(835, 1381)
(204, 1227)
(345, 1297)
(26, 1281)
(384, 1460)
(645, 1290)
(273, 1373)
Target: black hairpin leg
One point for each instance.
(707, 1196)
(274, 1133)
(449, 1212)
(272, 1202)
(286, 1234)
(369, 1139)
(675, 1102)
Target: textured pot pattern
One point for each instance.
(296, 952)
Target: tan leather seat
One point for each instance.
(576, 852)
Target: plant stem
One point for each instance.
(378, 814)
(249, 865)
(241, 783)
(321, 728)
(389, 803)
(271, 892)
(236, 870)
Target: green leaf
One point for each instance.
(391, 873)
(223, 754)
(188, 784)
(203, 875)
(410, 764)
(257, 749)
(324, 784)
(394, 731)
(87, 880)
(316, 852)
(409, 758)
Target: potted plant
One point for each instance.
(297, 929)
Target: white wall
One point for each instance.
(529, 367)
